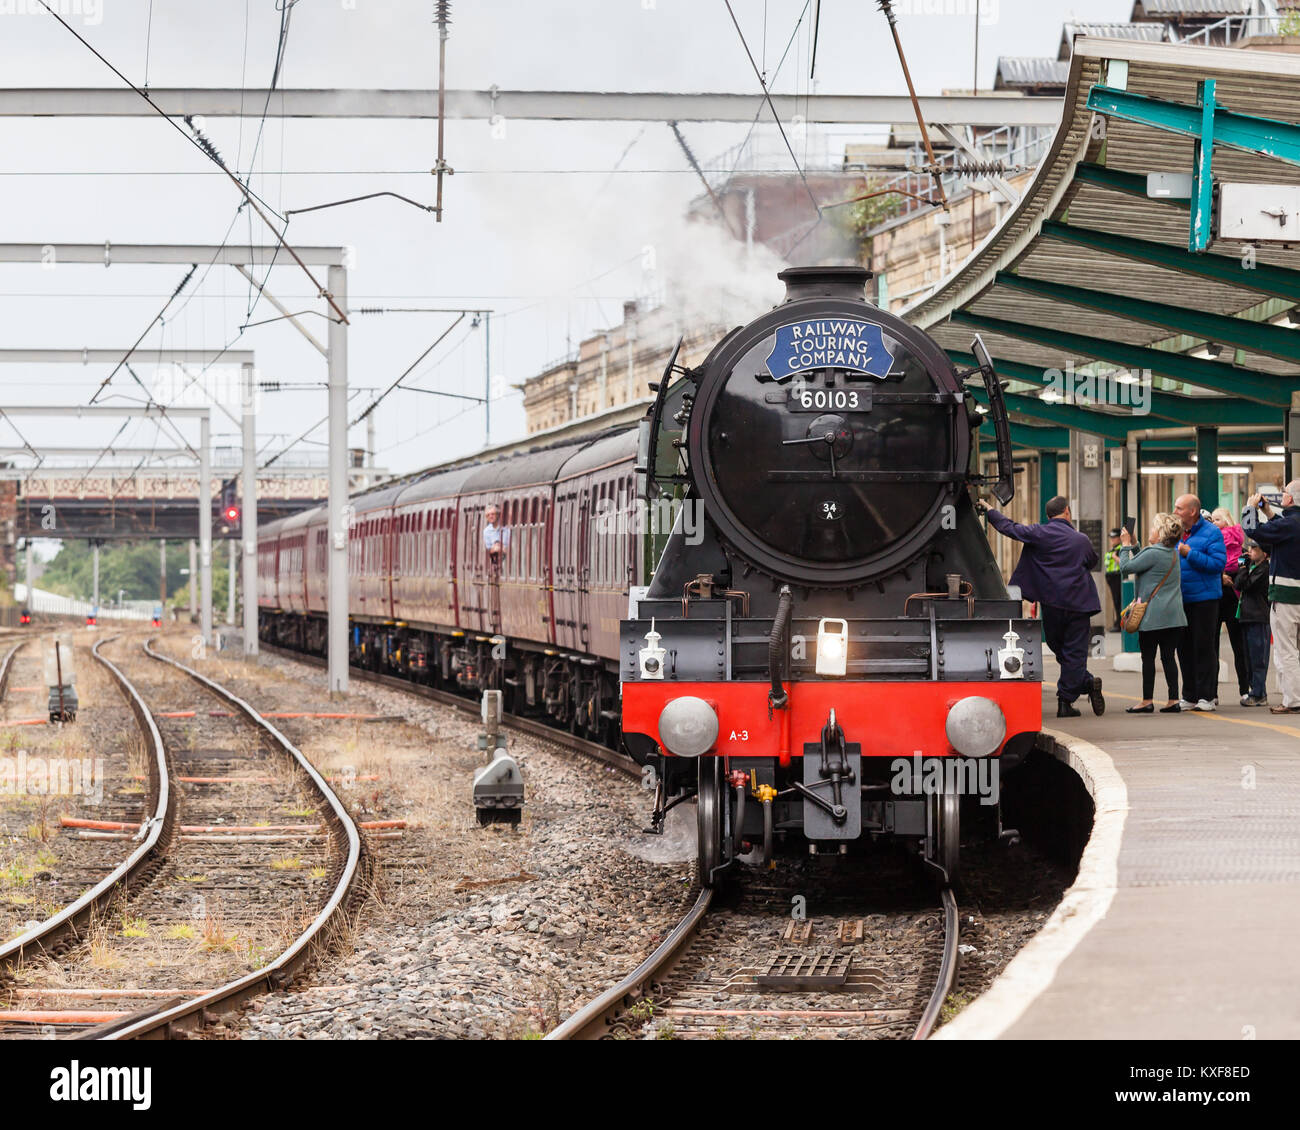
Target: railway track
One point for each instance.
(95, 769)
(675, 967)
(212, 912)
(738, 965)
(63, 931)
(530, 726)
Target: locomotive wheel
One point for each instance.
(710, 811)
(943, 839)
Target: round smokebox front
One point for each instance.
(827, 435)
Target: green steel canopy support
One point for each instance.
(1267, 137)
(1207, 467)
(1263, 277)
(1029, 436)
(1230, 446)
(1048, 481)
(1131, 184)
(1247, 383)
(1258, 337)
(1206, 123)
(1064, 415)
(1163, 405)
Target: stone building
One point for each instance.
(613, 369)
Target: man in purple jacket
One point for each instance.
(1054, 570)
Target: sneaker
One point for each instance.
(1262, 700)
(1183, 704)
(1205, 705)
(1246, 700)
(1094, 696)
(1067, 709)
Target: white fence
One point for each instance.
(53, 604)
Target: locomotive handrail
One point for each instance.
(1004, 485)
(651, 423)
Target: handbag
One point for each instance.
(1131, 618)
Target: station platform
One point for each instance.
(1184, 919)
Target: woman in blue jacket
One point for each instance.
(1158, 579)
(1204, 558)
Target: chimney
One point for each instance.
(629, 310)
(825, 282)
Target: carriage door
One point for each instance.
(495, 567)
(585, 534)
(564, 568)
(475, 559)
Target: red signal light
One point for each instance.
(232, 513)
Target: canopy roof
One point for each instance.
(1089, 274)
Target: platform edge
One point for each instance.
(1082, 906)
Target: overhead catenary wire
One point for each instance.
(776, 73)
(817, 22)
(303, 437)
(251, 197)
(294, 443)
(22, 438)
(107, 447)
(148, 41)
(281, 40)
(358, 199)
(772, 106)
(156, 319)
(171, 424)
(379, 399)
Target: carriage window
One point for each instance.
(533, 539)
(597, 541)
(545, 565)
(514, 540)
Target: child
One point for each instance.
(1251, 584)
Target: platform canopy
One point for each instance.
(1092, 275)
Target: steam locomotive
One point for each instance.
(810, 651)
(838, 644)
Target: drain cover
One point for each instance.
(798, 970)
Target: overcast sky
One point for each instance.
(546, 225)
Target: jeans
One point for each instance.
(1198, 655)
(1166, 640)
(1258, 648)
(1113, 582)
(1067, 634)
(1228, 615)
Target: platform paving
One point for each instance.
(1201, 937)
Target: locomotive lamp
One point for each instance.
(832, 646)
(976, 726)
(1011, 659)
(688, 726)
(652, 655)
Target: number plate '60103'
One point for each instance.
(829, 400)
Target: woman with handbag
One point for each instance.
(1157, 614)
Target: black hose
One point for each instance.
(778, 648)
(737, 833)
(767, 833)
